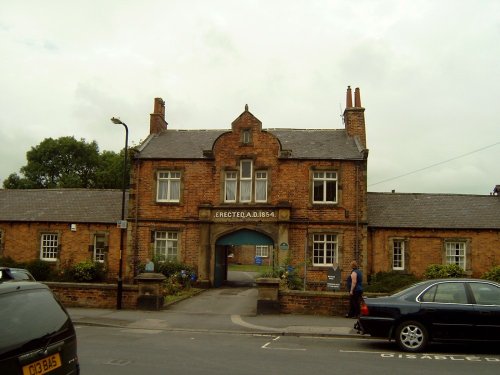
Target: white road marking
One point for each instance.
(236, 319)
(266, 346)
(141, 331)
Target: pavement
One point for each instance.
(292, 325)
(229, 310)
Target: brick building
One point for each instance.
(290, 196)
(297, 195)
(61, 226)
(408, 232)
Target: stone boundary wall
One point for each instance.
(94, 295)
(313, 303)
(103, 296)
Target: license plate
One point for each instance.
(43, 366)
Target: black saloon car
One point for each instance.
(435, 310)
(36, 333)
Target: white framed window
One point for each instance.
(100, 248)
(398, 254)
(49, 246)
(261, 186)
(246, 136)
(325, 248)
(262, 251)
(246, 180)
(455, 253)
(166, 246)
(324, 187)
(239, 185)
(230, 185)
(168, 187)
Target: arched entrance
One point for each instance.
(226, 245)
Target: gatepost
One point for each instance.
(150, 291)
(268, 300)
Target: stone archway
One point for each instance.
(226, 245)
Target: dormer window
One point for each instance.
(246, 136)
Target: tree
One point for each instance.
(109, 175)
(68, 163)
(14, 181)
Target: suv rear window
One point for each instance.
(28, 316)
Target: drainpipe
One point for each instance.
(356, 246)
(305, 261)
(136, 218)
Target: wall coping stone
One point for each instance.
(75, 285)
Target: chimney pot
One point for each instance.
(357, 98)
(348, 102)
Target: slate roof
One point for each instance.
(439, 211)
(303, 144)
(61, 205)
(385, 210)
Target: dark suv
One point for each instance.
(36, 333)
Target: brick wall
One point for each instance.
(101, 296)
(426, 247)
(314, 303)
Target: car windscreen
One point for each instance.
(20, 275)
(29, 316)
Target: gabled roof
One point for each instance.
(61, 205)
(303, 144)
(439, 211)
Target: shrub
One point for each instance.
(388, 282)
(9, 262)
(88, 271)
(288, 276)
(443, 271)
(493, 274)
(42, 271)
(177, 273)
(171, 286)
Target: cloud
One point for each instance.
(427, 72)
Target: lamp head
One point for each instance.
(115, 120)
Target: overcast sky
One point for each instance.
(428, 71)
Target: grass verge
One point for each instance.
(186, 293)
(249, 268)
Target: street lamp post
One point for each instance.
(123, 223)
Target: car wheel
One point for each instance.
(412, 336)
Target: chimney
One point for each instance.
(354, 117)
(157, 122)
